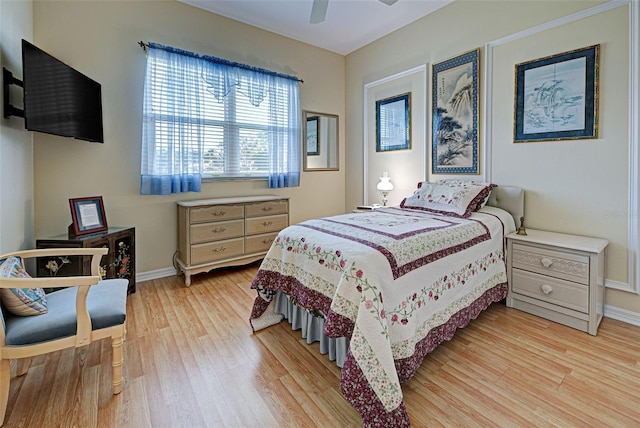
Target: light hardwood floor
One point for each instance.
(191, 360)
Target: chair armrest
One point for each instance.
(48, 252)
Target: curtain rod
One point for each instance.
(144, 47)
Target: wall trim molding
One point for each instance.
(418, 69)
(633, 228)
(622, 315)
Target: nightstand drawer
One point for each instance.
(559, 292)
(559, 264)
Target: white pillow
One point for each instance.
(458, 198)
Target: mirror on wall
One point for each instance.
(320, 141)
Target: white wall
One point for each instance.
(99, 38)
(16, 144)
(571, 185)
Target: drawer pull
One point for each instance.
(267, 241)
(547, 289)
(218, 250)
(267, 223)
(546, 262)
(218, 213)
(267, 209)
(219, 230)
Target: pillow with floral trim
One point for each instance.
(458, 198)
(20, 301)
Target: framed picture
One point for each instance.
(313, 136)
(87, 215)
(393, 123)
(454, 118)
(556, 97)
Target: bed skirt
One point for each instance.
(311, 326)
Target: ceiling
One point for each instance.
(348, 26)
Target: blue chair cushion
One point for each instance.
(106, 302)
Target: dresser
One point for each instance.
(221, 232)
(558, 276)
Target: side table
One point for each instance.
(120, 262)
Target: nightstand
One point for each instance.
(366, 208)
(557, 276)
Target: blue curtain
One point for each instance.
(172, 131)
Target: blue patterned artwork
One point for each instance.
(454, 145)
(556, 97)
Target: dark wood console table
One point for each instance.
(120, 262)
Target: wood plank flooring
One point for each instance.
(191, 360)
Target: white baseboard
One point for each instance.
(155, 274)
(622, 315)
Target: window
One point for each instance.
(207, 118)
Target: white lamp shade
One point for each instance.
(385, 184)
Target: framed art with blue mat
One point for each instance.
(454, 141)
(556, 97)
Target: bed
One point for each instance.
(393, 283)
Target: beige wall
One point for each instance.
(16, 145)
(100, 40)
(572, 186)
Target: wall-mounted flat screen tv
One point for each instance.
(58, 99)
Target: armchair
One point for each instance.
(84, 310)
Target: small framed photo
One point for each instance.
(556, 97)
(313, 136)
(87, 216)
(393, 123)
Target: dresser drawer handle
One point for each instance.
(218, 213)
(218, 250)
(219, 230)
(267, 241)
(547, 289)
(546, 262)
(267, 223)
(267, 209)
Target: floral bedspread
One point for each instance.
(397, 281)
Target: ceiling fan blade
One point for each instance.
(388, 2)
(318, 11)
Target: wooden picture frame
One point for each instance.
(87, 215)
(313, 136)
(556, 97)
(393, 123)
(454, 118)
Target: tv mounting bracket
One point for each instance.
(8, 79)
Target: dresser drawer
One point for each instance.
(266, 208)
(205, 232)
(552, 290)
(212, 251)
(259, 243)
(274, 223)
(216, 213)
(559, 264)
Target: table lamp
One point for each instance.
(384, 187)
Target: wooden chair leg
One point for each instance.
(5, 377)
(118, 361)
(23, 366)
